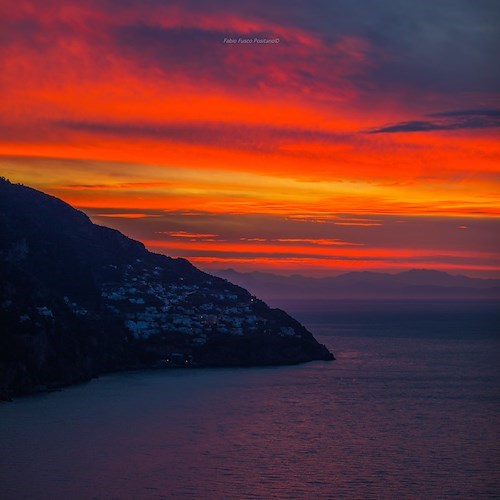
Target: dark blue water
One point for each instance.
(410, 409)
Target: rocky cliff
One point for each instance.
(78, 299)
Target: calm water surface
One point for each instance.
(410, 409)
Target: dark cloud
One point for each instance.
(439, 46)
(413, 47)
(199, 52)
(449, 120)
(444, 45)
(230, 136)
(171, 49)
(200, 55)
(492, 113)
(25, 29)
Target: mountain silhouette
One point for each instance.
(78, 299)
(409, 285)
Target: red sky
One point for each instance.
(366, 138)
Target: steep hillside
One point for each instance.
(77, 299)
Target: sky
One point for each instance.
(300, 136)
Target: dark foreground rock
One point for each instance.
(77, 300)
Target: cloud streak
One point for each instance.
(450, 120)
(190, 236)
(239, 136)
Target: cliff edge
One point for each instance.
(78, 299)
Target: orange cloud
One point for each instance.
(184, 234)
(131, 109)
(127, 216)
(320, 251)
(317, 241)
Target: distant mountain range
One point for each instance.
(411, 285)
(78, 299)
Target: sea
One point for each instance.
(409, 409)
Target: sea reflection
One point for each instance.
(393, 417)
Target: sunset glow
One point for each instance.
(350, 144)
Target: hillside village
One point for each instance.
(151, 305)
(78, 299)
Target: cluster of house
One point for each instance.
(150, 306)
